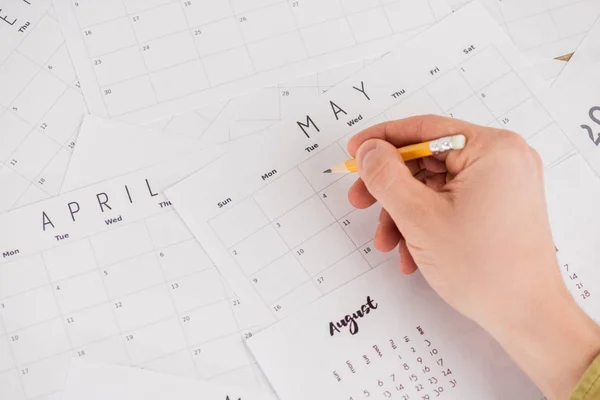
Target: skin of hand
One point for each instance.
(475, 223)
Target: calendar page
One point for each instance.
(193, 124)
(130, 148)
(110, 272)
(411, 345)
(41, 106)
(276, 226)
(580, 80)
(98, 381)
(140, 60)
(587, 54)
(406, 343)
(255, 112)
(543, 28)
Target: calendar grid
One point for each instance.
(357, 247)
(244, 40)
(31, 60)
(61, 285)
(552, 121)
(387, 18)
(165, 283)
(325, 204)
(305, 47)
(245, 44)
(289, 248)
(199, 59)
(138, 48)
(15, 161)
(124, 333)
(549, 11)
(348, 23)
(12, 351)
(212, 54)
(499, 98)
(109, 301)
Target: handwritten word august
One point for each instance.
(350, 321)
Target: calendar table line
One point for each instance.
(141, 43)
(112, 300)
(35, 24)
(115, 227)
(251, 195)
(129, 14)
(564, 158)
(202, 64)
(563, 39)
(312, 275)
(37, 128)
(99, 268)
(42, 66)
(130, 331)
(312, 280)
(144, 62)
(148, 73)
(335, 144)
(549, 10)
(541, 130)
(245, 46)
(7, 165)
(155, 71)
(74, 353)
(37, 184)
(309, 25)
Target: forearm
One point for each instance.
(554, 343)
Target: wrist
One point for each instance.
(552, 340)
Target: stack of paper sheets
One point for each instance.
(163, 203)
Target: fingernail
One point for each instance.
(367, 155)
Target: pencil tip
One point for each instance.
(327, 171)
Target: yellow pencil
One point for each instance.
(412, 152)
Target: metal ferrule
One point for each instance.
(440, 145)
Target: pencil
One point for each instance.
(412, 152)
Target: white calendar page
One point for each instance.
(255, 112)
(587, 54)
(278, 227)
(99, 381)
(194, 124)
(548, 28)
(542, 28)
(578, 88)
(141, 61)
(411, 345)
(110, 272)
(129, 148)
(41, 106)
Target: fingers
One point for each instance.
(407, 262)
(413, 130)
(432, 180)
(389, 180)
(387, 235)
(428, 127)
(359, 196)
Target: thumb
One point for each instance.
(409, 202)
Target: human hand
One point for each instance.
(474, 222)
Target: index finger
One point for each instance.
(412, 130)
